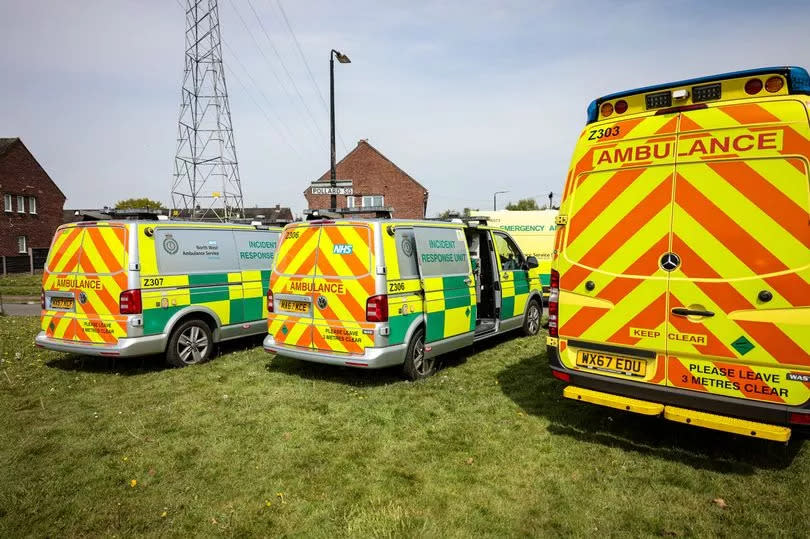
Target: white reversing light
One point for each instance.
(680, 94)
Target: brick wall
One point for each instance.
(374, 174)
(20, 174)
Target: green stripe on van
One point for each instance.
(202, 279)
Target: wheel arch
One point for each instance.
(196, 311)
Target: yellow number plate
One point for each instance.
(62, 303)
(294, 306)
(601, 361)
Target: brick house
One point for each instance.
(367, 179)
(32, 202)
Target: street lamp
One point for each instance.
(343, 59)
(495, 199)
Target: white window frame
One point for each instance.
(20, 204)
(22, 241)
(32, 205)
(7, 199)
(351, 201)
(372, 205)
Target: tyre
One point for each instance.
(191, 343)
(531, 323)
(416, 366)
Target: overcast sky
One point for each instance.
(468, 97)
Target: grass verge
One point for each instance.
(21, 284)
(246, 445)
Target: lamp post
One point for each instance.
(343, 59)
(495, 199)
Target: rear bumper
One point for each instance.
(372, 358)
(137, 346)
(777, 414)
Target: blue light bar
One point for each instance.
(798, 81)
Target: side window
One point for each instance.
(508, 253)
(442, 251)
(256, 249)
(195, 250)
(406, 253)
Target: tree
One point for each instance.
(523, 204)
(138, 204)
(450, 214)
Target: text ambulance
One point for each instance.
(380, 293)
(129, 288)
(532, 230)
(681, 277)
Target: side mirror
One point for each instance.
(531, 262)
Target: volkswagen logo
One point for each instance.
(82, 298)
(670, 261)
(322, 302)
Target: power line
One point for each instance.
(261, 92)
(269, 64)
(284, 66)
(278, 120)
(261, 109)
(306, 64)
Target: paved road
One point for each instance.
(21, 309)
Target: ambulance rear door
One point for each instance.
(739, 293)
(292, 282)
(84, 276)
(344, 281)
(613, 292)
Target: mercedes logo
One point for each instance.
(82, 298)
(322, 302)
(670, 261)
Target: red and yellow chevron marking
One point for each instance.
(90, 262)
(730, 197)
(333, 261)
(344, 278)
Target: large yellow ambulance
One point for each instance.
(380, 293)
(131, 288)
(532, 230)
(681, 278)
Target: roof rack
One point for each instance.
(380, 212)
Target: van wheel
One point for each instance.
(531, 325)
(191, 343)
(416, 365)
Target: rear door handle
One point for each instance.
(680, 311)
(468, 281)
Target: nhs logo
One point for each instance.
(342, 249)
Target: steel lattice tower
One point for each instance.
(206, 181)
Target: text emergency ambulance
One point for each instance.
(131, 288)
(681, 277)
(532, 230)
(380, 293)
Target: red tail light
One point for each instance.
(377, 309)
(130, 302)
(799, 419)
(270, 305)
(621, 106)
(564, 376)
(42, 298)
(553, 303)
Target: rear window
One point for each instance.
(344, 251)
(88, 250)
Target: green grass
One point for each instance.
(21, 284)
(246, 446)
